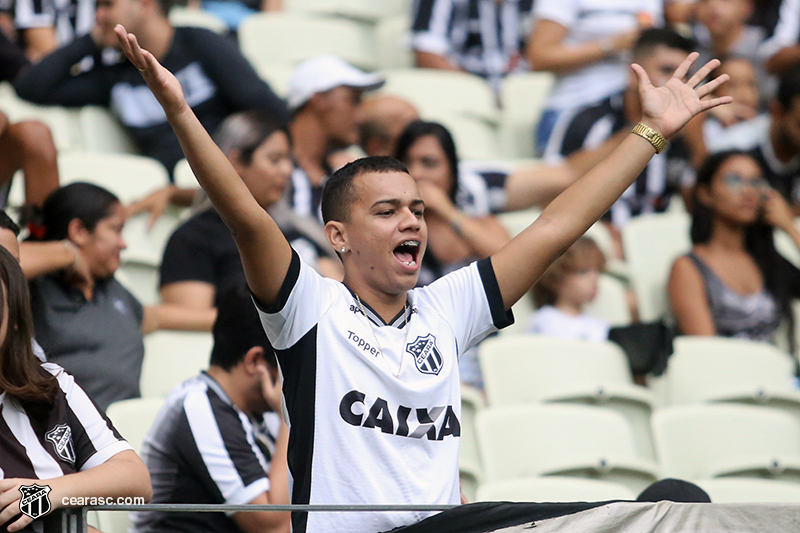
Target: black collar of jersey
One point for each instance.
(399, 321)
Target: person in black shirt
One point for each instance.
(50, 432)
(215, 76)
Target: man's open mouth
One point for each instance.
(407, 251)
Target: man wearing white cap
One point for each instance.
(325, 104)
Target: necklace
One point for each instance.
(375, 336)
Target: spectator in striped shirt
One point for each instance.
(50, 431)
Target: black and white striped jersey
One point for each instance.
(69, 18)
(484, 37)
(203, 449)
(74, 436)
(373, 408)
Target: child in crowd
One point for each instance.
(564, 289)
(743, 87)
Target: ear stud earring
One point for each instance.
(344, 249)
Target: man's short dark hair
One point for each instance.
(7, 223)
(238, 329)
(652, 38)
(789, 87)
(339, 192)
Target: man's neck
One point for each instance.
(387, 306)
(156, 37)
(310, 147)
(227, 381)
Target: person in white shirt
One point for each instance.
(584, 43)
(371, 390)
(564, 290)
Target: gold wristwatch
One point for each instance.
(656, 139)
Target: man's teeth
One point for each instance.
(410, 263)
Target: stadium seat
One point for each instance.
(62, 121)
(651, 243)
(363, 10)
(198, 18)
(145, 243)
(474, 137)
(439, 94)
(289, 38)
(471, 403)
(130, 177)
(741, 490)
(723, 440)
(102, 132)
(557, 439)
(708, 369)
(141, 280)
(519, 369)
(133, 418)
(523, 96)
(277, 76)
(172, 357)
(553, 489)
(469, 478)
(611, 302)
(392, 49)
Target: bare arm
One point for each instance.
(783, 60)
(176, 317)
(687, 299)
(547, 51)
(429, 60)
(666, 109)
(536, 185)
(265, 253)
(122, 475)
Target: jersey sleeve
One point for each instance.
(430, 27)
(94, 438)
(227, 450)
(303, 299)
(470, 301)
(564, 12)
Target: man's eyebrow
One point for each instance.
(397, 202)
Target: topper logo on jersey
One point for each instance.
(61, 438)
(426, 355)
(435, 423)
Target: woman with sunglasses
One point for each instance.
(734, 283)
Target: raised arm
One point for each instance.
(265, 253)
(666, 110)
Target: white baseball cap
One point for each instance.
(323, 73)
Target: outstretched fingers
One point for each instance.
(644, 80)
(703, 73)
(705, 105)
(711, 86)
(685, 65)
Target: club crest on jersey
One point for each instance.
(61, 438)
(426, 355)
(34, 502)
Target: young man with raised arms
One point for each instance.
(369, 365)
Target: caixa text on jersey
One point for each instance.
(435, 423)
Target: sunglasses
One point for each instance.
(737, 183)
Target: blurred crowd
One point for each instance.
(735, 170)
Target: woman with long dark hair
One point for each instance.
(461, 227)
(50, 432)
(734, 283)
